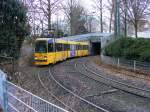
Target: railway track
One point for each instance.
(93, 100)
(41, 78)
(98, 76)
(98, 108)
(111, 88)
(48, 75)
(42, 82)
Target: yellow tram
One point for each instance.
(50, 50)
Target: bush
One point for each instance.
(145, 56)
(130, 48)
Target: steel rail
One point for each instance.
(118, 82)
(116, 70)
(114, 80)
(82, 99)
(53, 94)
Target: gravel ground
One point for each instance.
(117, 101)
(119, 74)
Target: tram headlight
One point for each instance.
(35, 58)
(45, 57)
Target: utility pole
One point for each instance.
(57, 25)
(117, 18)
(101, 16)
(42, 26)
(125, 32)
(34, 29)
(49, 14)
(71, 18)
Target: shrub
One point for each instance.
(145, 56)
(130, 48)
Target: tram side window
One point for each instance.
(79, 47)
(62, 47)
(73, 47)
(50, 47)
(84, 47)
(68, 47)
(65, 47)
(76, 47)
(58, 47)
(87, 47)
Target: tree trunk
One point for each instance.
(71, 18)
(125, 21)
(101, 17)
(110, 21)
(49, 21)
(49, 14)
(136, 30)
(90, 26)
(71, 24)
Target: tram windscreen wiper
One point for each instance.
(41, 47)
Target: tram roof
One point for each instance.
(86, 37)
(60, 40)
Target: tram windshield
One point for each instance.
(41, 47)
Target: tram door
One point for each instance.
(72, 50)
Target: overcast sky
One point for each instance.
(87, 4)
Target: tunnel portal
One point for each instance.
(95, 48)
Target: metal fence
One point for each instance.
(128, 64)
(16, 99)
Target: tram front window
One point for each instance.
(41, 47)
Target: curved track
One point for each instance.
(100, 109)
(40, 77)
(118, 85)
(47, 90)
(46, 76)
(112, 82)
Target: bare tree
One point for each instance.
(124, 18)
(111, 10)
(33, 14)
(99, 6)
(90, 23)
(136, 11)
(49, 7)
(74, 13)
